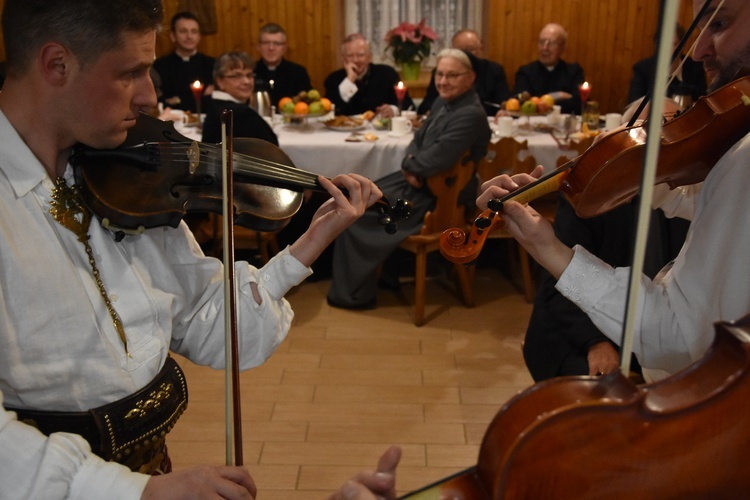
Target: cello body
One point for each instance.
(687, 436)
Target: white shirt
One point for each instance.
(708, 281)
(59, 349)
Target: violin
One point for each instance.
(582, 437)
(608, 173)
(157, 176)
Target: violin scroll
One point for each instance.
(461, 248)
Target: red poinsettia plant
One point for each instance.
(410, 42)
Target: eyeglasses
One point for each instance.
(451, 77)
(240, 76)
(272, 43)
(544, 42)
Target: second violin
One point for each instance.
(608, 174)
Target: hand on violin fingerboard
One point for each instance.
(336, 214)
(531, 230)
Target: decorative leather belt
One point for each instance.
(130, 431)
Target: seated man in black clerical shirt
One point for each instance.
(550, 74)
(491, 83)
(361, 85)
(275, 74)
(180, 69)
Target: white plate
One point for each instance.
(346, 128)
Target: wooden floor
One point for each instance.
(345, 385)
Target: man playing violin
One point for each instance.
(88, 320)
(707, 282)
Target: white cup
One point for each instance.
(612, 120)
(410, 114)
(400, 126)
(178, 116)
(505, 126)
(556, 109)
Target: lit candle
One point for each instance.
(197, 89)
(584, 89)
(400, 89)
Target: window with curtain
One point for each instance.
(374, 18)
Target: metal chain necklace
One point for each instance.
(68, 210)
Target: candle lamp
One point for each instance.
(197, 89)
(584, 90)
(400, 89)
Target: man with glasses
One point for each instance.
(274, 74)
(550, 74)
(457, 124)
(491, 83)
(235, 84)
(178, 70)
(361, 85)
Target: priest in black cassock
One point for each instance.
(275, 74)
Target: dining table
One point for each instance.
(317, 148)
(314, 147)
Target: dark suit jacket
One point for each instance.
(537, 80)
(289, 79)
(375, 89)
(693, 79)
(559, 333)
(247, 123)
(491, 85)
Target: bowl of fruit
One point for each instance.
(525, 104)
(306, 104)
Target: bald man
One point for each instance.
(491, 83)
(550, 74)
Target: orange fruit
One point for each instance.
(512, 104)
(548, 100)
(301, 108)
(326, 103)
(283, 101)
(535, 100)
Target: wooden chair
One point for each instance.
(209, 231)
(508, 156)
(448, 213)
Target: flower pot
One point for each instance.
(410, 70)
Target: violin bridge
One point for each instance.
(194, 154)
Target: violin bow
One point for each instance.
(232, 366)
(653, 141)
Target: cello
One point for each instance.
(605, 437)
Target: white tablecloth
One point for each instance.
(542, 146)
(315, 148)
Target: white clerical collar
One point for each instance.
(187, 57)
(220, 95)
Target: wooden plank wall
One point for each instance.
(606, 36)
